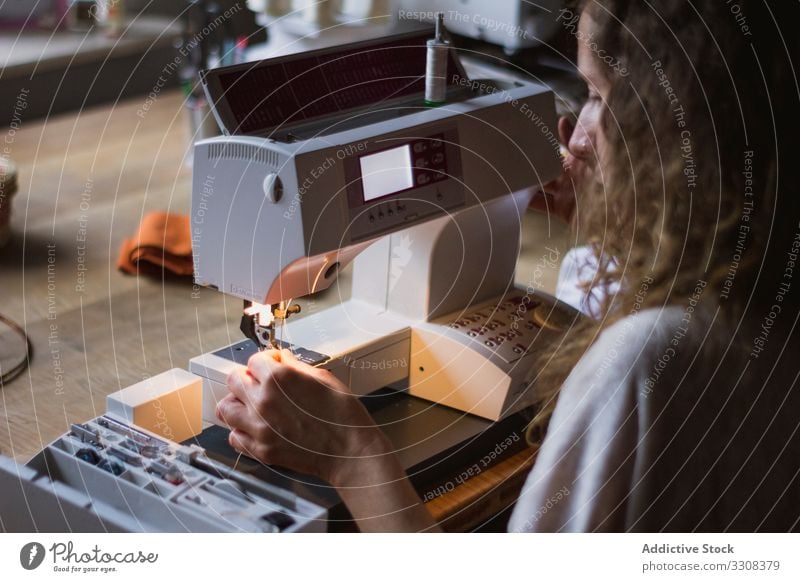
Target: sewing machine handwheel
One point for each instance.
(273, 188)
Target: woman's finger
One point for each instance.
(288, 358)
(242, 442)
(243, 386)
(232, 411)
(261, 365)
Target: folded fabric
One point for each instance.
(163, 244)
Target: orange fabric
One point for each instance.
(162, 244)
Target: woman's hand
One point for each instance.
(284, 412)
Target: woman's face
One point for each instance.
(586, 144)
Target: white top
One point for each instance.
(664, 425)
(574, 280)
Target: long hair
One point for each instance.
(699, 185)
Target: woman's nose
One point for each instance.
(580, 142)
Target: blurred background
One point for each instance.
(72, 54)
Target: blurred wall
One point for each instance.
(67, 82)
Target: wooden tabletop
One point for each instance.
(86, 180)
(479, 498)
(92, 176)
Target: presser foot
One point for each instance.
(258, 322)
(263, 337)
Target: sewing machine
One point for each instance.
(425, 202)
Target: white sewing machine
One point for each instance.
(331, 157)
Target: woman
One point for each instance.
(677, 408)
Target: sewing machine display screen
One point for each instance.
(398, 180)
(386, 172)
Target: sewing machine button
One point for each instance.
(423, 179)
(438, 158)
(371, 218)
(420, 147)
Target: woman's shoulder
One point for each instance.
(657, 329)
(644, 348)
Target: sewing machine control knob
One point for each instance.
(273, 188)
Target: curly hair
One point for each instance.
(697, 184)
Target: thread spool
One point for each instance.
(436, 66)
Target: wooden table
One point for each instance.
(480, 498)
(92, 176)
